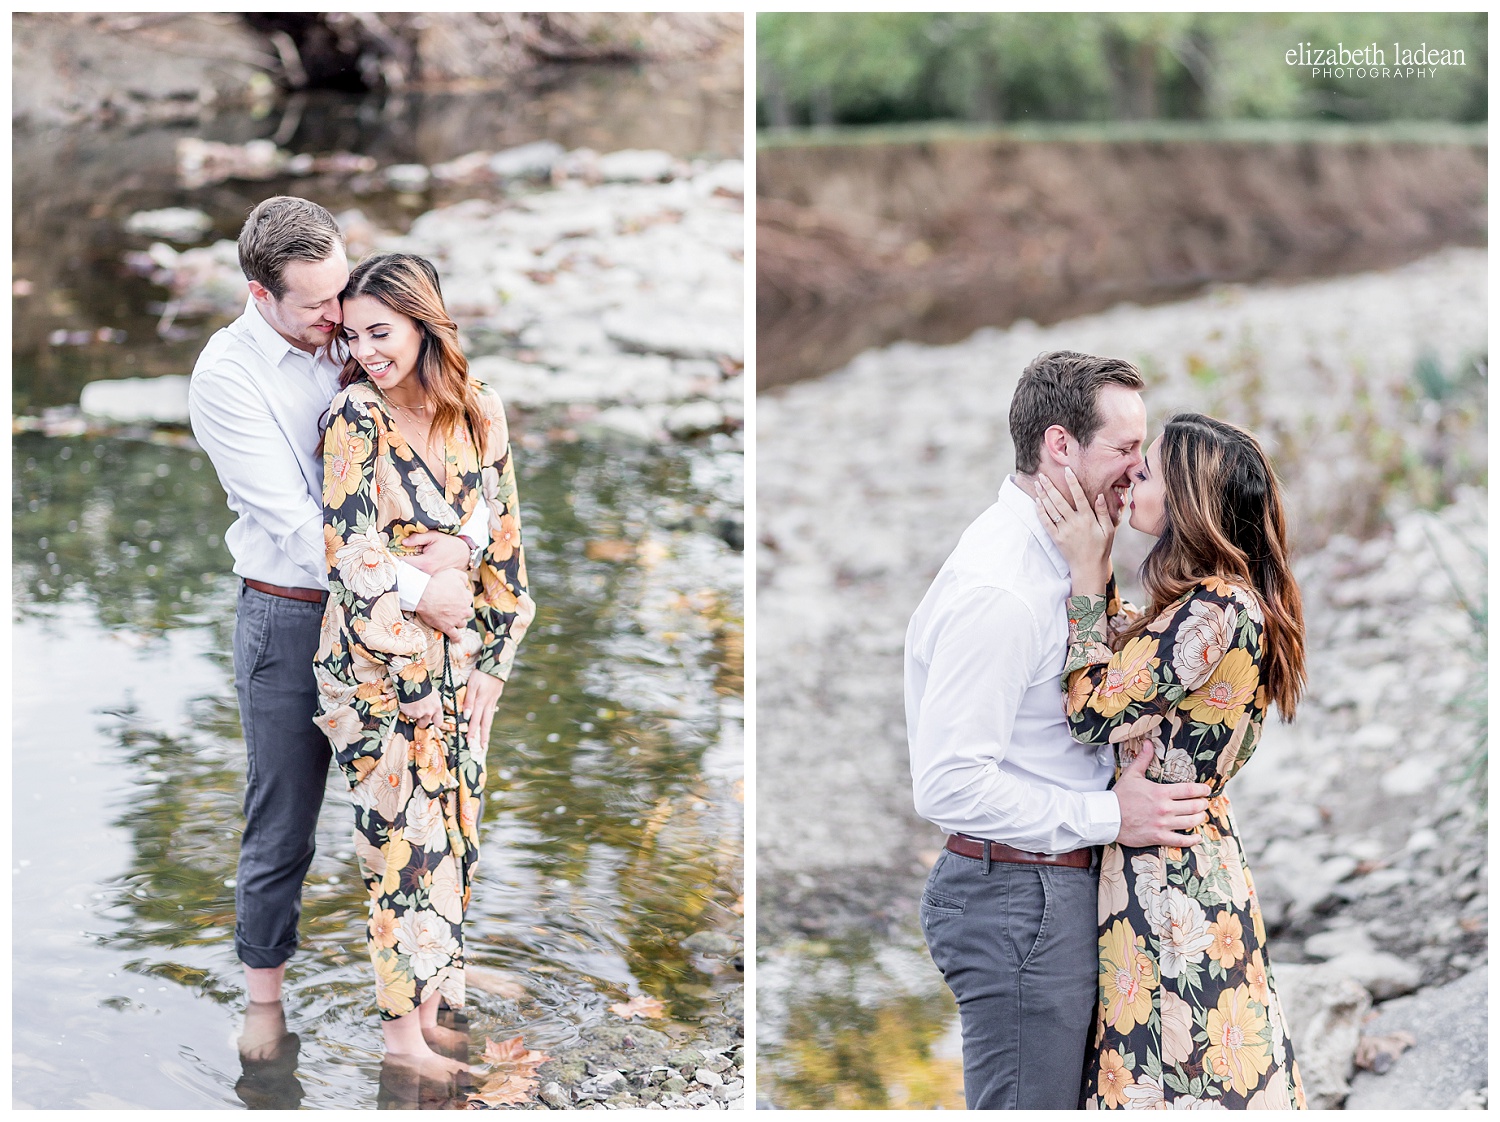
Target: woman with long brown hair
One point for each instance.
(1187, 1015)
(412, 446)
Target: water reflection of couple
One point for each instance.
(1106, 939)
(383, 594)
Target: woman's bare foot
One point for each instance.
(450, 1042)
(427, 1064)
(406, 1045)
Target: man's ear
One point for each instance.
(1057, 445)
(260, 292)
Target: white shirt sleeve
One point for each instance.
(411, 582)
(477, 528)
(257, 466)
(980, 665)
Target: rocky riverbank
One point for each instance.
(603, 290)
(1364, 822)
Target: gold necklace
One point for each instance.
(427, 436)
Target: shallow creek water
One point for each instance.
(611, 830)
(613, 823)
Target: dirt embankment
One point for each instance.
(859, 245)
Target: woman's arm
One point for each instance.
(1188, 686)
(503, 607)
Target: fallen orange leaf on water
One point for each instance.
(508, 1090)
(639, 1006)
(514, 1055)
(513, 1079)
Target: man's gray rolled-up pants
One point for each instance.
(1019, 947)
(287, 756)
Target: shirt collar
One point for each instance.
(270, 341)
(1023, 506)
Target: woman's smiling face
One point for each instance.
(384, 342)
(1148, 502)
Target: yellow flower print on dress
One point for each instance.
(1228, 690)
(1256, 979)
(1079, 689)
(345, 453)
(382, 928)
(1126, 977)
(1129, 677)
(497, 594)
(397, 856)
(1114, 1078)
(506, 537)
(1228, 945)
(395, 988)
(1237, 1053)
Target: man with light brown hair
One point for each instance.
(257, 397)
(1010, 908)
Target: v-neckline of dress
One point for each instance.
(440, 484)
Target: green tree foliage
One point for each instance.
(827, 68)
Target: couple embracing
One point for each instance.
(1092, 911)
(382, 595)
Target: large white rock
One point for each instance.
(637, 165)
(1448, 1063)
(694, 417)
(1324, 1009)
(175, 223)
(685, 333)
(1380, 972)
(161, 400)
(407, 177)
(533, 160)
(726, 177)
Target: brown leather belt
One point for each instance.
(311, 595)
(999, 851)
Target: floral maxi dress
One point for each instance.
(416, 790)
(1188, 1016)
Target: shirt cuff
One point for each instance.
(477, 528)
(411, 583)
(1103, 810)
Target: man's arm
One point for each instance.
(980, 668)
(440, 551)
(257, 465)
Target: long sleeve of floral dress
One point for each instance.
(1188, 1016)
(503, 608)
(1188, 685)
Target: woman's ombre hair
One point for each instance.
(408, 284)
(1224, 518)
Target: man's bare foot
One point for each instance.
(265, 1029)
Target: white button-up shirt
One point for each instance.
(255, 401)
(991, 755)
